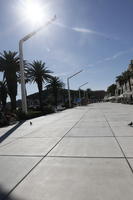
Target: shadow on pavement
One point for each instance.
(3, 137)
(4, 195)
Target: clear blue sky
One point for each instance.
(94, 35)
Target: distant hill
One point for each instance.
(94, 96)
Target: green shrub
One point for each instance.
(33, 114)
(48, 109)
(29, 115)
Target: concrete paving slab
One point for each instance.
(93, 119)
(119, 124)
(131, 162)
(25, 128)
(127, 145)
(29, 146)
(22, 131)
(13, 169)
(73, 176)
(118, 118)
(3, 130)
(65, 122)
(87, 147)
(92, 123)
(7, 141)
(49, 132)
(90, 132)
(43, 131)
(77, 179)
(123, 130)
(94, 115)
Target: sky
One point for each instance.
(93, 35)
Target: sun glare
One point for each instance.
(35, 12)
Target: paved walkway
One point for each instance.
(85, 153)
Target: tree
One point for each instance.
(111, 89)
(3, 93)
(89, 93)
(37, 72)
(120, 80)
(127, 77)
(9, 65)
(55, 84)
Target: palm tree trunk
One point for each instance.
(129, 84)
(4, 103)
(12, 89)
(40, 95)
(55, 99)
(40, 99)
(121, 89)
(13, 102)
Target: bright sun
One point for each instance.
(35, 12)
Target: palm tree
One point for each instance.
(37, 72)
(111, 89)
(129, 75)
(9, 65)
(3, 93)
(89, 92)
(120, 80)
(125, 78)
(55, 84)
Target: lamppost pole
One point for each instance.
(69, 95)
(68, 86)
(23, 90)
(23, 93)
(79, 90)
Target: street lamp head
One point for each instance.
(75, 74)
(83, 85)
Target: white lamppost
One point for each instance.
(23, 90)
(80, 87)
(68, 85)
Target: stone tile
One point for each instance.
(92, 123)
(119, 118)
(7, 141)
(131, 162)
(87, 147)
(3, 130)
(117, 123)
(127, 145)
(13, 169)
(90, 131)
(29, 146)
(93, 118)
(123, 130)
(50, 132)
(77, 179)
(43, 132)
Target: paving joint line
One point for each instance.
(88, 136)
(119, 145)
(16, 138)
(21, 155)
(88, 157)
(4, 198)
